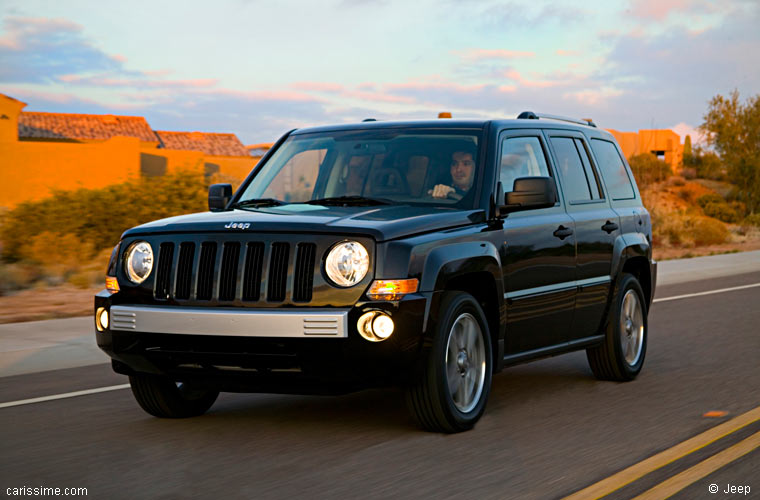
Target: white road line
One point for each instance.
(63, 396)
(707, 293)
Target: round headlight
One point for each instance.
(139, 261)
(347, 263)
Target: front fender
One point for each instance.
(447, 262)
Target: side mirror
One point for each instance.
(529, 193)
(219, 196)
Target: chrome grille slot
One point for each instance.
(205, 288)
(320, 326)
(122, 320)
(229, 271)
(184, 270)
(303, 279)
(163, 273)
(254, 261)
(278, 272)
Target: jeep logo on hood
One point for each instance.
(238, 225)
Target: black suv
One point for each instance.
(426, 254)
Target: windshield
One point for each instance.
(419, 167)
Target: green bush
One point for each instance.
(93, 219)
(721, 211)
(752, 220)
(706, 199)
(647, 169)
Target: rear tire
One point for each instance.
(450, 389)
(164, 398)
(621, 356)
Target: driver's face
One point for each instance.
(462, 168)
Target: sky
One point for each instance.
(260, 68)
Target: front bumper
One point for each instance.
(303, 350)
(229, 322)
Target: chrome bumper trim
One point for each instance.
(301, 323)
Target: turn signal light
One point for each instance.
(112, 285)
(392, 289)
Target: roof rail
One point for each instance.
(369, 120)
(530, 115)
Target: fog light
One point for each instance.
(101, 319)
(382, 326)
(375, 326)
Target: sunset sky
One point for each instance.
(259, 68)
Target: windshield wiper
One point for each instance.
(258, 203)
(346, 201)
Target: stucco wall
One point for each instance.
(29, 170)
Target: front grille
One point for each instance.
(236, 271)
(254, 262)
(303, 279)
(185, 270)
(228, 274)
(278, 272)
(163, 273)
(205, 286)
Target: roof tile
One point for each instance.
(209, 143)
(39, 125)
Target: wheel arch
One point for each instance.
(474, 268)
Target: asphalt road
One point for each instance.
(550, 428)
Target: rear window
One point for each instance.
(613, 170)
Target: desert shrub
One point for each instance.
(706, 230)
(647, 169)
(752, 220)
(721, 211)
(18, 276)
(739, 207)
(706, 199)
(97, 217)
(677, 181)
(689, 173)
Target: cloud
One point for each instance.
(684, 129)
(657, 10)
(318, 87)
(508, 15)
(671, 76)
(38, 50)
(481, 54)
(138, 82)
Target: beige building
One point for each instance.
(40, 152)
(664, 144)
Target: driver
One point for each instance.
(462, 172)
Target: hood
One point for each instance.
(381, 223)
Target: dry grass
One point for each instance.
(63, 301)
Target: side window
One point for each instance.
(593, 181)
(574, 181)
(521, 157)
(613, 170)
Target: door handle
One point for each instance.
(609, 227)
(563, 232)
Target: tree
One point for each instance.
(733, 129)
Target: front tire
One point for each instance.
(164, 398)
(449, 391)
(621, 356)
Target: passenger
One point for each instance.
(358, 168)
(462, 172)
